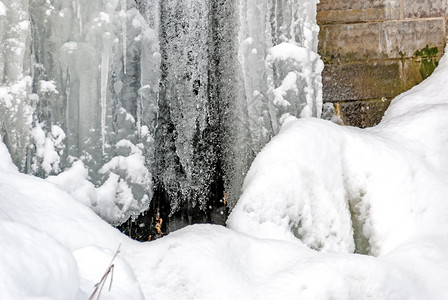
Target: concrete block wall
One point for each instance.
(376, 49)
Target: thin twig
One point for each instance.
(110, 270)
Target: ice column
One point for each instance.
(278, 45)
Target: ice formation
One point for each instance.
(281, 69)
(193, 88)
(400, 166)
(70, 90)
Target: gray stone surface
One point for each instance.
(425, 8)
(336, 11)
(327, 5)
(380, 40)
(360, 81)
(369, 80)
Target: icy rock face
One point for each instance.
(130, 95)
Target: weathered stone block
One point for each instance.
(349, 41)
(407, 37)
(362, 114)
(411, 74)
(380, 40)
(425, 8)
(328, 5)
(336, 11)
(446, 26)
(372, 80)
(361, 81)
(352, 16)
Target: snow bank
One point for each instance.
(198, 262)
(212, 262)
(379, 191)
(341, 188)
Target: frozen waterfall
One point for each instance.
(124, 101)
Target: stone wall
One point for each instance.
(376, 49)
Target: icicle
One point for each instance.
(124, 31)
(66, 78)
(79, 16)
(105, 56)
(139, 116)
(293, 21)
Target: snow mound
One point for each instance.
(344, 189)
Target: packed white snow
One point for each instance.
(380, 191)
